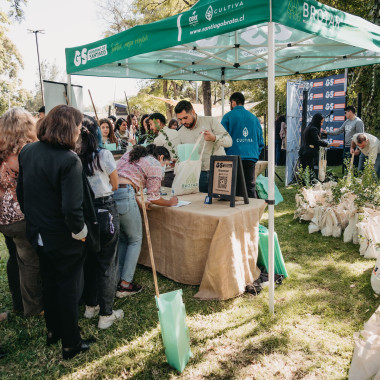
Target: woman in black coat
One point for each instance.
(50, 193)
(311, 142)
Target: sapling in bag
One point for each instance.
(322, 164)
(187, 173)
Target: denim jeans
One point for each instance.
(130, 232)
(377, 165)
(100, 268)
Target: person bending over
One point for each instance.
(139, 166)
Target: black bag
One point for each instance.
(93, 235)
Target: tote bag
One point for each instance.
(322, 164)
(187, 173)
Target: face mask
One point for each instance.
(163, 168)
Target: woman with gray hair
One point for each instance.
(17, 128)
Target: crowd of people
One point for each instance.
(70, 212)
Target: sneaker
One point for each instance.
(106, 321)
(131, 289)
(91, 311)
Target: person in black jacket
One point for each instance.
(311, 141)
(50, 193)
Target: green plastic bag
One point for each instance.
(262, 260)
(262, 189)
(175, 334)
(184, 151)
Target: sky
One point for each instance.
(65, 23)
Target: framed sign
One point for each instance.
(226, 179)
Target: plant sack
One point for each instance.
(187, 173)
(322, 164)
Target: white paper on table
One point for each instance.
(181, 203)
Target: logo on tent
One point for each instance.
(294, 10)
(209, 13)
(245, 132)
(193, 19)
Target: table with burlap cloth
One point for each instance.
(214, 246)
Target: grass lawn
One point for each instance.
(326, 298)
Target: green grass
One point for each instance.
(326, 298)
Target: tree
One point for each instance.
(49, 71)
(10, 60)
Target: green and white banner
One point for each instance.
(228, 39)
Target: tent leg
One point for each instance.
(222, 99)
(271, 111)
(69, 88)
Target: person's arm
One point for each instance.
(339, 131)
(218, 134)
(165, 202)
(353, 146)
(72, 197)
(316, 141)
(108, 164)
(359, 126)
(20, 186)
(226, 123)
(114, 179)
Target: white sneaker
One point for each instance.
(91, 311)
(106, 321)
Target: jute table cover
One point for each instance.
(214, 246)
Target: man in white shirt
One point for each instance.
(369, 145)
(167, 138)
(216, 138)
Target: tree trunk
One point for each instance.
(166, 95)
(206, 90)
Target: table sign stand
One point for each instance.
(226, 179)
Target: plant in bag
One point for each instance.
(170, 145)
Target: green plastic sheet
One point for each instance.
(184, 151)
(262, 260)
(262, 189)
(175, 334)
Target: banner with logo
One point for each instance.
(228, 39)
(327, 96)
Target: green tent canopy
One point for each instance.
(228, 40)
(222, 40)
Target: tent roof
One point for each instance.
(227, 40)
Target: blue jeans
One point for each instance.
(377, 165)
(130, 232)
(362, 159)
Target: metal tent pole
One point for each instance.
(223, 82)
(271, 121)
(69, 88)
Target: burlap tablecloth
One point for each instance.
(214, 246)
